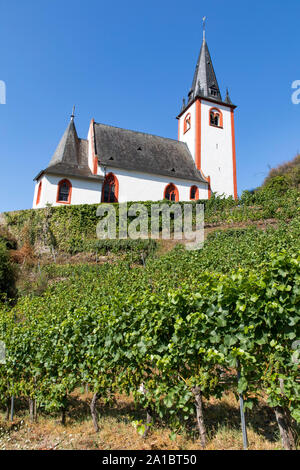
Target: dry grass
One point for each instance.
(117, 431)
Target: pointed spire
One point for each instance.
(67, 151)
(227, 99)
(205, 81)
(204, 20)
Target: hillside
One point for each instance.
(96, 319)
(72, 229)
(289, 173)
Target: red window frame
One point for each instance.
(39, 192)
(216, 111)
(111, 180)
(70, 192)
(172, 190)
(187, 123)
(196, 193)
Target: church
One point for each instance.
(120, 165)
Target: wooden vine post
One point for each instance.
(94, 411)
(200, 417)
(243, 420)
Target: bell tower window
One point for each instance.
(215, 118)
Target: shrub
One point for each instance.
(8, 239)
(7, 274)
(77, 245)
(278, 185)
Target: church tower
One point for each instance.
(206, 125)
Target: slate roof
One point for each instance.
(146, 153)
(122, 149)
(204, 77)
(68, 149)
(70, 157)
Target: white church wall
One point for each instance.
(135, 186)
(216, 149)
(83, 191)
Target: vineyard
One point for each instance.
(172, 332)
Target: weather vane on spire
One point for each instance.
(204, 23)
(73, 113)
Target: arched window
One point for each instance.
(171, 193)
(64, 192)
(194, 193)
(38, 197)
(215, 117)
(110, 189)
(187, 123)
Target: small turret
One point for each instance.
(227, 99)
(67, 151)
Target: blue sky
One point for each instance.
(129, 64)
